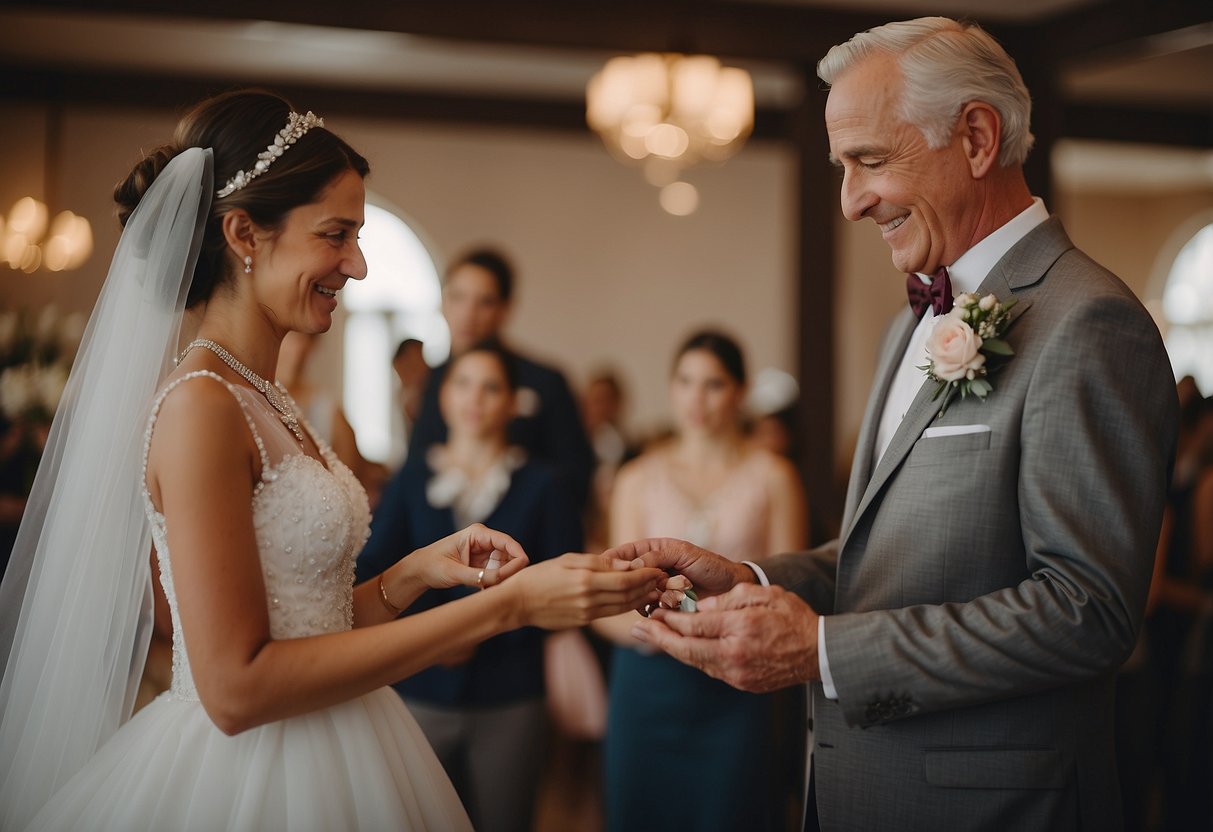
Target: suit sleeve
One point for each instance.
(808, 574)
(560, 527)
(390, 535)
(429, 427)
(1097, 436)
(566, 442)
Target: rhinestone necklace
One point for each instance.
(274, 393)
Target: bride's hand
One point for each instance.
(574, 589)
(476, 556)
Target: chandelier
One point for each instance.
(29, 239)
(670, 111)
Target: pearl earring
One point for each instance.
(248, 264)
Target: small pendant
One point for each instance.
(291, 422)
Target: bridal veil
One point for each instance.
(75, 604)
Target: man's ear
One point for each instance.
(980, 126)
(240, 233)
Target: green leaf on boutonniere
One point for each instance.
(980, 388)
(960, 343)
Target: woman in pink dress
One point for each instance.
(713, 744)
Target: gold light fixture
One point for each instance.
(28, 239)
(670, 111)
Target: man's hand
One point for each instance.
(709, 573)
(755, 638)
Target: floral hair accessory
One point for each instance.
(961, 342)
(296, 126)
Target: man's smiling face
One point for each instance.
(922, 199)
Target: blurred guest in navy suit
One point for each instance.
(482, 711)
(476, 298)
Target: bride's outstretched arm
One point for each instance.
(203, 482)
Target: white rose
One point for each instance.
(954, 349)
(16, 391)
(50, 384)
(46, 329)
(963, 299)
(8, 331)
(987, 303)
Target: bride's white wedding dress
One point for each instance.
(363, 764)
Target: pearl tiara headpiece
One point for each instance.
(296, 126)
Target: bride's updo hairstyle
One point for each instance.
(237, 126)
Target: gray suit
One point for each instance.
(986, 586)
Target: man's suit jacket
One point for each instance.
(986, 586)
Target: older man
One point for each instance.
(962, 633)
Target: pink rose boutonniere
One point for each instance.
(960, 344)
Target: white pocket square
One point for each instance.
(954, 430)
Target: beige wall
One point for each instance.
(1136, 235)
(606, 276)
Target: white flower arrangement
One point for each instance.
(960, 344)
(35, 355)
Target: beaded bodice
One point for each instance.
(310, 520)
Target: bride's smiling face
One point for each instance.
(476, 398)
(299, 271)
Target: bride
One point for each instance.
(278, 716)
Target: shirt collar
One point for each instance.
(972, 267)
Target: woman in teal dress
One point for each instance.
(680, 745)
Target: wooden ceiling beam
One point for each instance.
(1112, 28)
(1141, 125)
(137, 90)
(787, 33)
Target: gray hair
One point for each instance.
(945, 65)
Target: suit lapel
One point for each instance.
(1024, 265)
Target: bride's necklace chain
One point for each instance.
(274, 393)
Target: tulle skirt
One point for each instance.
(360, 765)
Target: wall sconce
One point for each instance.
(25, 241)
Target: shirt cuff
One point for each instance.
(762, 576)
(823, 663)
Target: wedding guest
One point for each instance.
(710, 485)
(601, 413)
(962, 635)
(477, 295)
(278, 716)
(323, 412)
(408, 363)
(1171, 682)
(482, 709)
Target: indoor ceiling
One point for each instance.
(1122, 64)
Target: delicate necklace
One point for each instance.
(274, 393)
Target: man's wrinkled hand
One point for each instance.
(708, 572)
(755, 638)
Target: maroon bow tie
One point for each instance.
(937, 295)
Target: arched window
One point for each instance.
(1187, 304)
(401, 298)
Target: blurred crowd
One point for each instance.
(546, 728)
(1165, 690)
